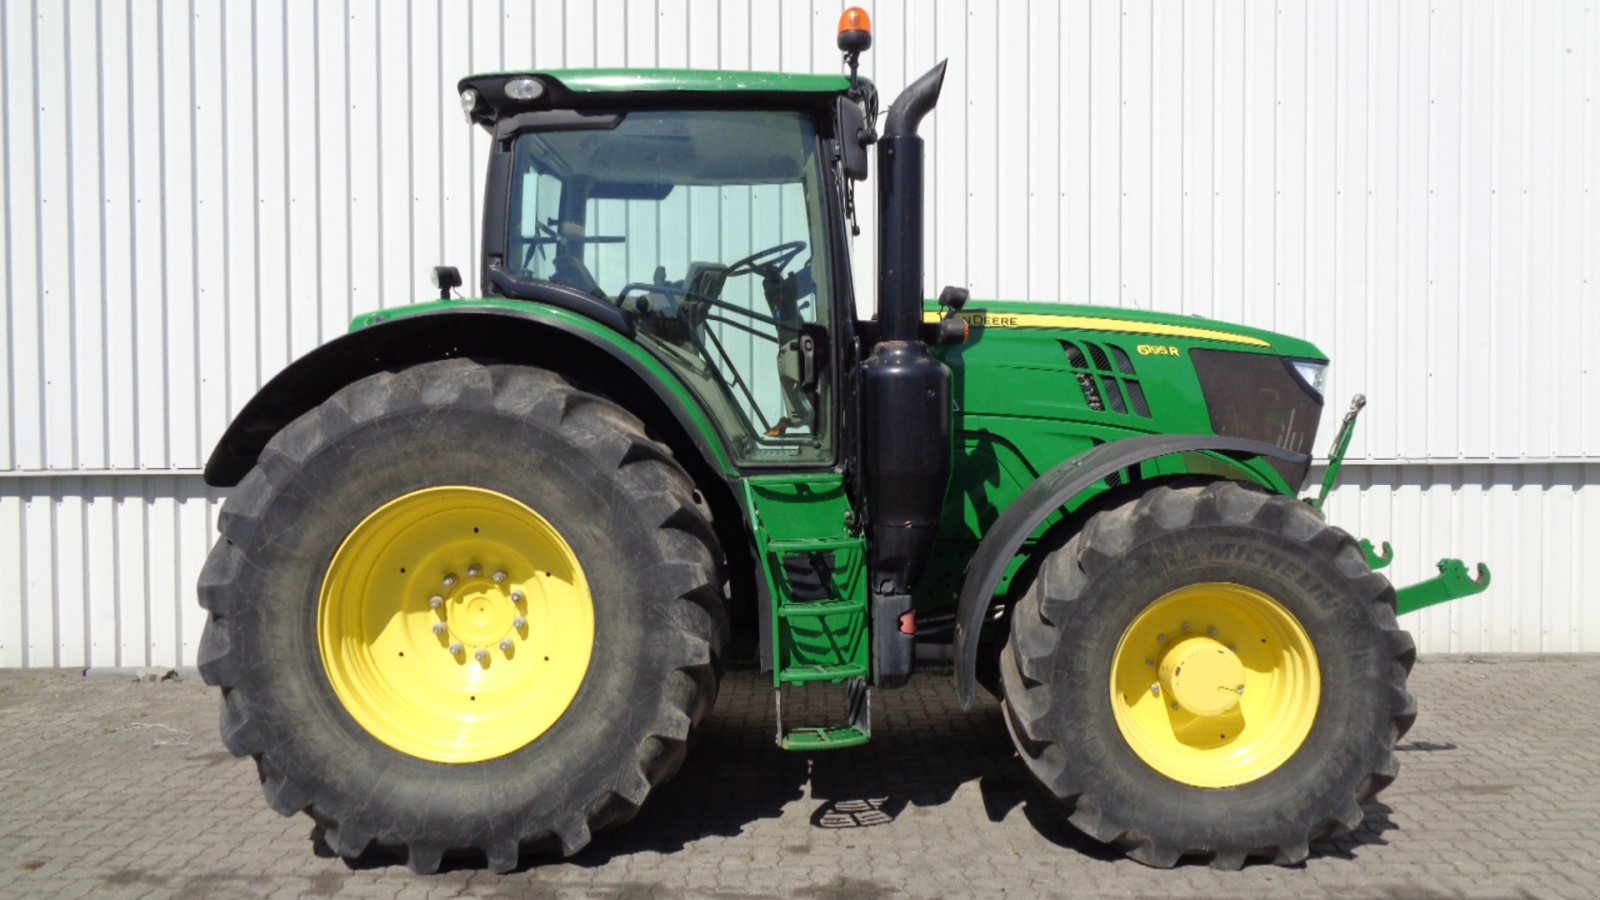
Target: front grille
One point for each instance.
(1252, 396)
(1105, 375)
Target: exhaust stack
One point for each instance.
(900, 208)
(905, 395)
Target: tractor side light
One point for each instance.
(855, 30)
(1313, 375)
(469, 102)
(524, 89)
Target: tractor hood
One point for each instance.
(1003, 318)
(1118, 372)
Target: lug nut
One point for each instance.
(1212, 631)
(438, 629)
(482, 656)
(1150, 663)
(1176, 707)
(505, 645)
(473, 570)
(499, 577)
(516, 597)
(449, 581)
(1186, 628)
(1155, 690)
(455, 648)
(435, 601)
(1161, 639)
(519, 623)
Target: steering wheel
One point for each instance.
(769, 262)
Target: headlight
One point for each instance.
(469, 102)
(1313, 374)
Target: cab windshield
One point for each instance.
(707, 229)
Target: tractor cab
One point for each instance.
(708, 221)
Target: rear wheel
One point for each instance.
(463, 608)
(1208, 671)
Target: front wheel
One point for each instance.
(463, 609)
(1208, 671)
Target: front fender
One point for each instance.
(490, 330)
(1042, 498)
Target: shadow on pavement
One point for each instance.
(924, 749)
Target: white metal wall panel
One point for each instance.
(196, 192)
(100, 570)
(1530, 521)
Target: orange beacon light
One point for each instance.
(855, 30)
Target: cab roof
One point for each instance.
(589, 81)
(630, 88)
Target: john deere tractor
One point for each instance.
(484, 559)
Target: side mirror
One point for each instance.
(446, 278)
(854, 137)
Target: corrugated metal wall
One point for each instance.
(196, 192)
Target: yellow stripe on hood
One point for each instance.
(1097, 323)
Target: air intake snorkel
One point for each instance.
(905, 450)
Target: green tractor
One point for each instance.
(485, 559)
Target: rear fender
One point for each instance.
(491, 331)
(1041, 499)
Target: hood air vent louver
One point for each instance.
(1105, 374)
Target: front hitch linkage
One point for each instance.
(1452, 582)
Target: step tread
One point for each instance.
(821, 608)
(806, 674)
(836, 737)
(814, 545)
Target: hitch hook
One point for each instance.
(1374, 560)
(1452, 583)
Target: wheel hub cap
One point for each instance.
(480, 614)
(1202, 676)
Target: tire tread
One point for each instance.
(1028, 658)
(645, 468)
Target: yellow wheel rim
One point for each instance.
(455, 624)
(1215, 685)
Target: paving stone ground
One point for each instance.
(110, 788)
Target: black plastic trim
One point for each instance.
(502, 283)
(1057, 486)
(554, 120)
